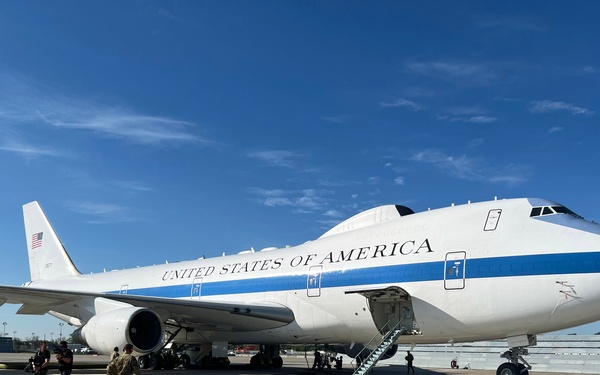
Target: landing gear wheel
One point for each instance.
(522, 369)
(155, 362)
(507, 369)
(143, 361)
(169, 362)
(277, 362)
(185, 360)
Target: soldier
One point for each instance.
(114, 354)
(126, 363)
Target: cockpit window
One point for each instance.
(551, 210)
(536, 211)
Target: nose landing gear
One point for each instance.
(513, 367)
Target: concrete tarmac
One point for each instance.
(13, 363)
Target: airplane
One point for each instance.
(503, 269)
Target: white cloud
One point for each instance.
(27, 150)
(547, 106)
(130, 185)
(555, 129)
(333, 213)
(475, 142)
(482, 119)
(465, 168)
(373, 180)
(276, 158)
(336, 119)
(458, 72)
(399, 181)
(22, 102)
(103, 213)
(306, 200)
(403, 103)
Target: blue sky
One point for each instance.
(152, 131)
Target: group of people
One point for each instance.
(120, 364)
(41, 361)
(123, 364)
(321, 361)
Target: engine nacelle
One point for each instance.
(357, 349)
(138, 326)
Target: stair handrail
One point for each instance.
(385, 336)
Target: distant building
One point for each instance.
(6, 345)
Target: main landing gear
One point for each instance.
(513, 367)
(267, 357)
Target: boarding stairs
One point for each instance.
(386, 343)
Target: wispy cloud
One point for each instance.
(555, 129)
(307, 200)
(28, 151)
(336, 119)
(475, 142)
(459, 72)
(22, 102)
(465, 168)
(482, 119)
(403, 103)
(510, 24)
(130, 185)
(277, 158)
(546, 106)
(399, 181)
(103, 213)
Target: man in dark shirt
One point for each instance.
(65, 359)
(41, 360)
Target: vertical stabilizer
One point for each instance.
(47, 256)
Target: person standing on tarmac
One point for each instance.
(409, 360)
(114, 354)
(126, 363)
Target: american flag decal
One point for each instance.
(36, 240)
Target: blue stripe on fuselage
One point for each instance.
(510, 266)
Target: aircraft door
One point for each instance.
(313, 281)
(124, 289)
(392, 307)
(454, 270)
(196, 290)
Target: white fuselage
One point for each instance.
(470, 276)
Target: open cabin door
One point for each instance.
(390, 306)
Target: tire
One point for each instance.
(169, 362)
(143, 361)
(185, 360)
(277, 362)
(507, 369)
(522, 369)
(155, 362)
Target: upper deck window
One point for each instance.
(551, 210)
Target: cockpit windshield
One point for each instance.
(551, 210)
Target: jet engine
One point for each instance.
(138, 326)
(355, 350)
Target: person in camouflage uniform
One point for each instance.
(125, 364)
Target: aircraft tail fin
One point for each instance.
(48, 258)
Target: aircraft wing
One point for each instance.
(198, 314)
